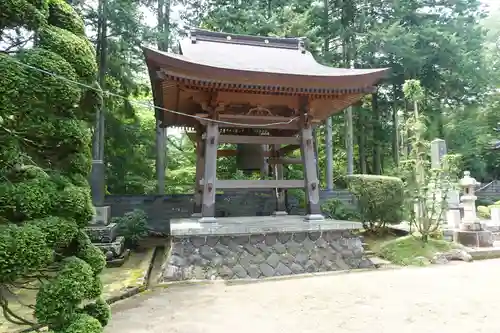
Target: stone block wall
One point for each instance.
(161, 208)
(259, 256)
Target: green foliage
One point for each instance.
(44, 163)
(82, 323)
(29, 14)
(23, 249)
(337, 210)
(99, 310)
(63, 16)
(411, 250)
(58, 231)
(484, 212)
(413, 90)
(380, 199)
(133, 226)
(38, 88)
(93, 256)
(74, 49)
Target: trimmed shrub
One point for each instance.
(337, 210)
(132, 226)
(380, 199)
(483, 212)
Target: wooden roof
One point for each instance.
(216, 62)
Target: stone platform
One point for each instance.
(261, 246)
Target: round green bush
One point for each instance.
(27, 200)
(83, 323)
(484, 212)
(63, 16)
(40, 90)
(380, 199)
(29, 14)
(59, 232)
(58, 299)
(93, 256)
(23, 249)
(100, 310)
(75, 50)
(75, 203)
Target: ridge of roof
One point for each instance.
(293, 43)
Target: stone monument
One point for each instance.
(471, 231)
(103, 234)
(452, 213)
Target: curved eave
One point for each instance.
(182, 67)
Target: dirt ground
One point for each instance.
(454, 298)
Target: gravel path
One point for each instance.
(454, 298)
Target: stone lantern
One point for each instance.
(468, 199)
(471, 232)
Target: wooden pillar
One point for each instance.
(279, 192)
(210, 173)
(264, 170)
(161, 156)
(313, 209)
(200, 168)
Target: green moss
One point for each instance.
(63, 16)
(410, 250)
(75, 50)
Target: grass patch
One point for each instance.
(410, 250)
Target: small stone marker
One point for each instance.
(438, 150)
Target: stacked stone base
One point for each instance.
(255, 256)
(483, 238)
(103, 234)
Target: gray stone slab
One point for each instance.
(256, 225)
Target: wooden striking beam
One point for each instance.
(257, 184)
(242, 121)
(226, 152)
(280, 161)
(259, 140)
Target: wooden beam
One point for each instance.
(288, 149)
(259, 140)
(258, 184)
(226, 152)
(280, 161)
(243, 121)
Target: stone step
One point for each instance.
(113, 249)
(103, 233)
(379, 262)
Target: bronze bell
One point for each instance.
(249, 157)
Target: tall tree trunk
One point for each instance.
(362, 142)
(161, 132)
(395, 125)
(377, 151)
(328, 132)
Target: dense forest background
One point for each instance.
(451, 46)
